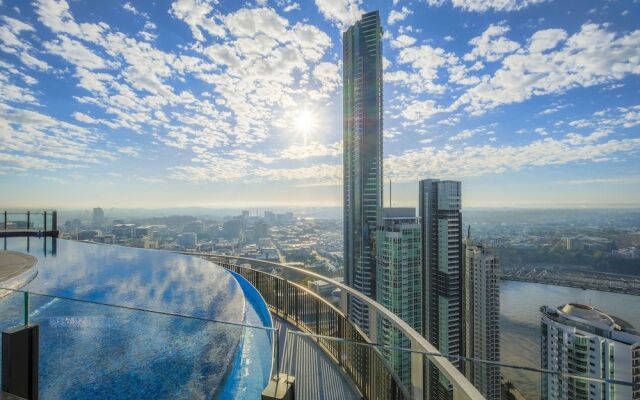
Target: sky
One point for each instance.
(194, 103)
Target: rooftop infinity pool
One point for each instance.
(93, 351)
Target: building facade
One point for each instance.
(399, 282)
(482, 317)
(442, 262)
(582, 340)
(362, 156)
(98, 217)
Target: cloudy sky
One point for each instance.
(205, 103)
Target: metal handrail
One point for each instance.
(309, 312)
(465, 390)
(52, 214)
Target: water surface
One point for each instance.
(520, 322)
(99, 352)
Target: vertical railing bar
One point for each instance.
(26, 308)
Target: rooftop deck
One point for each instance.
(318, 377)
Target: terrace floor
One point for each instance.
(317, 376)
(13, 263)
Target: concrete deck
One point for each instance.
(8, 396)
(13, 264)
(317, 376)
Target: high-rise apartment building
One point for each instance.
(482, 317)
(362, 155)
(442, 263)
(582, 340)
(98, 216)
(399, 282)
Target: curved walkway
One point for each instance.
(317, 376)
(13, 263)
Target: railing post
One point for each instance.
(26, 308)
(340, 345)
(28, 219)
(277, 335)
(54, 220)
(373, 324)
(5, 220)
(44, 218)
(344, 302)
(417, 374)
(295, 304)
(317, 316)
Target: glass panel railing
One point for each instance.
(28, 220)
(89, 349)
(487, 376)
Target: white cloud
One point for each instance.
(324, 174)
(329, 77)
(590, 57)
(420, 110)
(487, 5)
(541, 131)
(298, 152)
(491, 45)
(291, 7)
(197, 14)
(130, 151)
(620, 180)
(403, 41)
(11, 42)
(12, 93)
(397, 16)
(57, 144)
(341, 12)
(466, 134)
(129, 7)
(76, 53)
(553, 109)
(546, 40)
(486, 159)
(81, 117)
(425, 62)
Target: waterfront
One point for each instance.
(520, 322)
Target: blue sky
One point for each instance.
(205, 103)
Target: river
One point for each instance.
(520, 322)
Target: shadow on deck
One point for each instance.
(317, 376)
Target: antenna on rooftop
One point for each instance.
(469, 232)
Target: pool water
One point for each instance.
(94, 351)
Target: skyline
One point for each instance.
(129, 111)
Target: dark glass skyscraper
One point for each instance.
(442, 261)
(362, 139)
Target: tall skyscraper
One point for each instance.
(399, 282)
(98, 216)
(582, 340)
(362, 156)
(482, 317)
(442, 263)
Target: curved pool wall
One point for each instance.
(99, 352)
(246, 365)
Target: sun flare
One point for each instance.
(305, 122)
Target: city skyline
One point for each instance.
(173, 118)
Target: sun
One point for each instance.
(305, 123)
